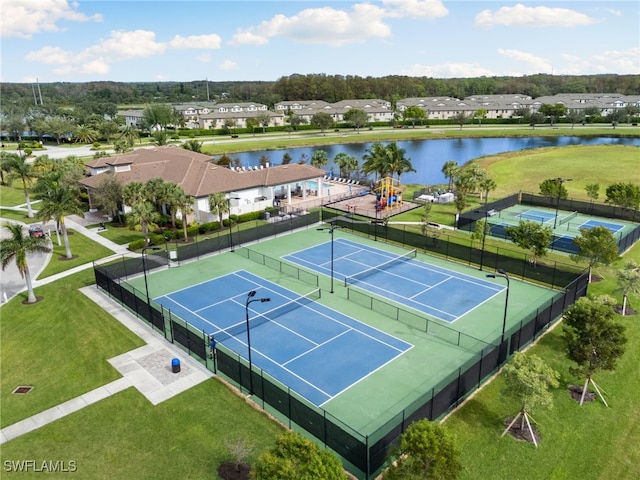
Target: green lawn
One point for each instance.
(602, 164)
(11, 196)
(83, 249)
(591, 441)
(60, 346)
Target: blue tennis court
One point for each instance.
(536, 215)
(564, 243)
(436, 291)
(314, 350)
(613, 227)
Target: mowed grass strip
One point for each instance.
(591, 441)
(59, 345)
(126, 437)
(601, 164)
(12, 196)
(83, 249)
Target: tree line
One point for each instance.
(330, 88)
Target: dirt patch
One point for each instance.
(576, 393)
(234, 471)
(64, 258)
(628, 311)
(522, 433)
(38, 300)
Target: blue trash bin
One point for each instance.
(175, 365)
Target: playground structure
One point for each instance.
(388, 194)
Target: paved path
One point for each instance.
(148, 368)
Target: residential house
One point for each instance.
(238, 113)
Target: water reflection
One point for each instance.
(428, 156)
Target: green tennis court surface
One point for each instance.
(379, 396)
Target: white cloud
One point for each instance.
(51, 56)
(126, 44)
(228, 65)
(24, 18)
(625, 62)
(415, 8)
(522, 16)
(449, 70)
(324, 25)
(121, 45)
(536, 64)
(211, 41)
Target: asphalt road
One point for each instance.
(11, 282)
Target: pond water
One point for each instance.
(428, 156)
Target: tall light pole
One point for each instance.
(230, 225)
(484, 235)
(560, 182)
(331, 229)
(250, 300)
(503, 274)
(144, 269)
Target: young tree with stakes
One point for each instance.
(628, 282)
(593, 338)
(528, 379)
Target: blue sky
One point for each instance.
(155, 40)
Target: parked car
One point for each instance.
(36, 230)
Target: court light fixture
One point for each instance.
(144, 269)
(230, 225)
(503, 274)
(560, 182)
(332, 227)
(250, 300)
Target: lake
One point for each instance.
(428, 156)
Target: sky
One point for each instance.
(183, 40)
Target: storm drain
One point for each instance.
(21, 390)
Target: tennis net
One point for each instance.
(352, 279)
(568, 218)
(240, 328)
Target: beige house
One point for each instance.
(377, 110)
(248, 190)
(237, 113)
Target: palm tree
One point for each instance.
(129, 133)
(486, 185)
(319, 158)
(375, 160)
(219, 205)
(20, 169)
(142, 217)
(185, 204)
(449, 170)
(160, 138)
(16, 248)
(193, 145)
(173, 197)
(84, 134)
(57, 201)
(398, 163)
(346, 163)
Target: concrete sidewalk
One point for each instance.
(148, 369)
